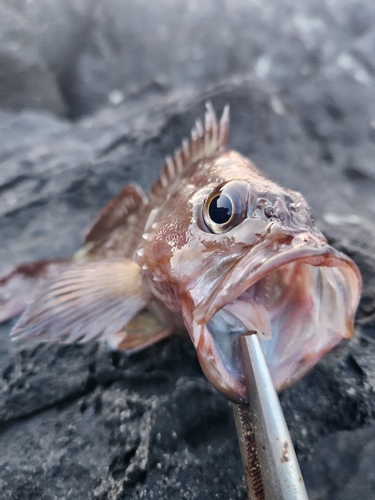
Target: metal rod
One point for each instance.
(265, 436)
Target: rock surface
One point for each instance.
(82, 422)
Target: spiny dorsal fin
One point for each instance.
(204, 142)
(115, 212)
(85, 302)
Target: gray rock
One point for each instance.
(26, 81)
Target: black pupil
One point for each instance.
(220, 209)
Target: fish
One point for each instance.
(215, 249)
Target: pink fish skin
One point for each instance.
(217, 249)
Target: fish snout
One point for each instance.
(284, 211)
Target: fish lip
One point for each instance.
(254, 265)
(239, 278)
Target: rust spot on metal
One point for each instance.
(254, 481)
(285, 453)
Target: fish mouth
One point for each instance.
(301, 301)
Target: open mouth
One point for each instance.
(301, 304)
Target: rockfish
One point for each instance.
(216, 249)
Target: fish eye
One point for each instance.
(225, 208)
(220, 209)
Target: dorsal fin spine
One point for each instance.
(205, 141)
(199, 127)
(178, 160)
(170, 167)
(224, 126)
(164, 179)
(185, 150)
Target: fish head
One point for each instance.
(235, 252)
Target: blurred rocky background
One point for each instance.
(95, 93)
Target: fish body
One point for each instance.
(217, 249)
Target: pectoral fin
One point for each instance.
(85, 302)
(23, 281)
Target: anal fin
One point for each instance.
(148, 326)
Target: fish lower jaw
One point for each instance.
(299, 310)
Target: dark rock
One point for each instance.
(341, 466)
